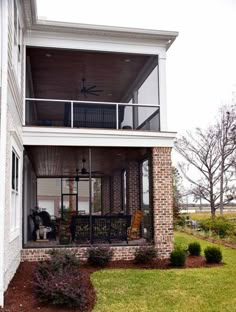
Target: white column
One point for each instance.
(3, 132)
(162, 92)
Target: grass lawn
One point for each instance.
(175, 290)
(205, 215)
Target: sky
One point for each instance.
(201, 63)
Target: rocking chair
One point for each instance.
(134, 229)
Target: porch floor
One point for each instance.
(56, 243)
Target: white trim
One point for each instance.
(162, 93)
(96, 137)
(3, 140)
(94, 42)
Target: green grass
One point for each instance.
(206, 215)
(175, 290)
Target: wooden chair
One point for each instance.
(134, 229)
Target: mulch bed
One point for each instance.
(19, 296)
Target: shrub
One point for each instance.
(178, 257)
(99, 256)
(218, 225)
(194, 249)
(64, 287)
(213, 254)
(145, 255)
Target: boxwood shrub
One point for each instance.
(145, 255)
(99, 256)
(178, 257)
(194, 249)
(213, 254)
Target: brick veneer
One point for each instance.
(106, 198)
(162, 200)
(116, 192)
(133, 186)
(40, 254)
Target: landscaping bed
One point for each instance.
(19, 296)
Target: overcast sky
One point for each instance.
(201, 64)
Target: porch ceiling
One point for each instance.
(57, 74)
(57, 161)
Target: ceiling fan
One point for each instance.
(89, 90)
(80, 174)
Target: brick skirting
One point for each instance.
(40, 254)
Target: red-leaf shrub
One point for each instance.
(63, 287)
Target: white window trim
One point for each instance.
(15, 225)
(17, 59)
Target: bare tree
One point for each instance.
(211, 153)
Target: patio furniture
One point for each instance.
(134, 229)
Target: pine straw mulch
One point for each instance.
(19, 295)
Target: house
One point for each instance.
(83, 137)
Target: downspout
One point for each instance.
(3, 141)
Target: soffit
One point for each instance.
(56, 161)
(57, 74)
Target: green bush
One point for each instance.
(178, 257)
(194, 249)
(219, 226)
(145, 255)
(179, 221)
(213, 254)
(99, 256)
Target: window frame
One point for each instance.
(15, 192)
(17, 48)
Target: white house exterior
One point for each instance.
(27, 142)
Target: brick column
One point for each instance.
(116, 192)
(133, 186)
(106, 196)
(162, 200)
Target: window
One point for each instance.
(145, 201)
(17, 43)
(15, 201)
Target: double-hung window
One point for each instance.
(15, 200)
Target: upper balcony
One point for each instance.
(87, 89)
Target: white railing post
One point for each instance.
(72, 114)
(117, 116)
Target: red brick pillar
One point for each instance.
(133, 186)
(116, 192)
(106, 195)
(162, 200)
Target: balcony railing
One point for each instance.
(88, 114)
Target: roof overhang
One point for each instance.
(33, 23)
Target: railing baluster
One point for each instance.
(117, 116)
(72, 114)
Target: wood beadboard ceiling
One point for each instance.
(56, 161)
(57, 74)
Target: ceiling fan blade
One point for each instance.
(97, 90)
(92, 93)
(92, 87)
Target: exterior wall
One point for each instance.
(162, 200)
(106, 198)
(133, 186)
(11, 121)
(40, 254)
(116, 192)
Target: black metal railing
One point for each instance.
(87, 114)
(92, 229)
